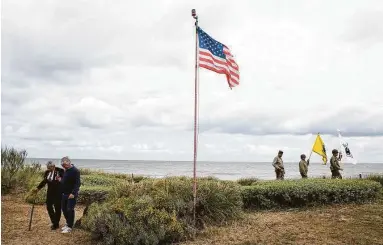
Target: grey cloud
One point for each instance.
(86, 123)
(354, 121)
(69, 42)
(25, 59)
(365, 27)
(47, 138)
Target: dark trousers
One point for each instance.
(336, 174)
(280, 174)
(68, 209)
(304, 175)
(54, 209)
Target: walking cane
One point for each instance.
(30, 217)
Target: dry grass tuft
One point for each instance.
(15, 220)
(338, 224)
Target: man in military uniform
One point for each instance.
(278, 165)
(334, 165)
(303, 166)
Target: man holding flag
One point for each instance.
(334, 165)
(303, 166)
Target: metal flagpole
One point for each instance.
(194, 15)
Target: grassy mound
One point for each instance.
(247, 181)
(161, 210)
(90, 194)
(129, 177)
(376, 177)
(299, 193)
(99, 180)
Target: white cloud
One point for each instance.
(99, 80)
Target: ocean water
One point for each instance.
(221, 170)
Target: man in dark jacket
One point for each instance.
(53, 199)
(70, 185)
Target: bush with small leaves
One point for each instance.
(247, 181)
(161, 210)
(15, 174)
(309, 192)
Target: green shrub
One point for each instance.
(298, 193)
(376, 177)
(132, 221)
(87, 171)
(91, 194)
(247, 181)
(15, 174)
(96, 179)
(216, 200)
(161, 210)
(36, 198)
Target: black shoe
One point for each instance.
(54, 227)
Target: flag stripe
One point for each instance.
(223, 70)
(227, 69)
(219, 70)
(208, 55)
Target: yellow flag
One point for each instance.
(320, 149)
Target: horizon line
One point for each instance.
(147, 160)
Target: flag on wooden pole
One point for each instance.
(320, 149)
(345, 150)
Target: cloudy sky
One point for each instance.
(115, 79)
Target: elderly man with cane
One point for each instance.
(53, 199)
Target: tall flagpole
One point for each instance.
(195, 16)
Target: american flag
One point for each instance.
(216, 57)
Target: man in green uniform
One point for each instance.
(303, 166)
(334, 165)
(278, 165)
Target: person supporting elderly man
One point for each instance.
(70, 185)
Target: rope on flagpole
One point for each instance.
(196, 110)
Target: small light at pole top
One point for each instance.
(194, 14)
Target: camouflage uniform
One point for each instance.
(279, 168)
(303, 168)
(335, 167)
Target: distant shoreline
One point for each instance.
(180, 161)
(220, 170)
